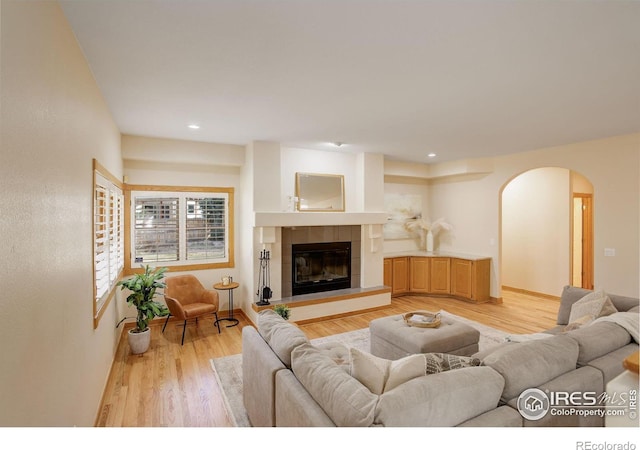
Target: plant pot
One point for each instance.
(139, 342)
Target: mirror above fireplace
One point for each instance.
(319, 192)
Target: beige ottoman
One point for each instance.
(392, 338)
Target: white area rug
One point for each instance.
(228, 370)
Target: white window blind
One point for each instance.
(180, 228)
(108, 237)
(156, 232)
(206, 228)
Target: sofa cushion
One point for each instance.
(347, 402)
(623, 303)
(584, 379)
(281, 335)
(529, 364)
(570, 295)
(610, 364)
(590, 307)
(380, 375)
(598, 339)
(503, 416)
(339, 353)
(441, 400)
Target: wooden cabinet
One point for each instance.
(396, 275)
(466, 278)
(388, 272)
(400, 276)
(470, 279)
(419, 274)
(440, 276)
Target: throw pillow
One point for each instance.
(451, 362)
(594, 304)
(380, 375)
(410, 367)
(369, 370)
(578, 323)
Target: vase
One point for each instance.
(139, 342)
(429, 241)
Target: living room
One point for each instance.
(55, 121)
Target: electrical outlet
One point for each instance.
(609, 252)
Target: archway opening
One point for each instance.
(546, 231)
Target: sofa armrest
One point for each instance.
(259, 368)
(175, 308)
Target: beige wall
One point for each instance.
(54, 121)
(472, 205)
(172, 162)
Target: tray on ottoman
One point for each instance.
(392, 338)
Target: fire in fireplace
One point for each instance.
(320, 267)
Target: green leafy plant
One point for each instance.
(143, 289)
(283, 311)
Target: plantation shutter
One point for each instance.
(206, 227)
(108, 235)
(101, 233)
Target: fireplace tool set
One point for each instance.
(264, 279)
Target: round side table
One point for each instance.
(228, 287)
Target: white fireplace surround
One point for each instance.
(298, 219)
(270, 225)
(276, 167)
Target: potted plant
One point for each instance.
(143, 289)
(283, 311)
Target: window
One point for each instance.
(108, 237)
(176, 227)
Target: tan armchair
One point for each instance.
(187, 299)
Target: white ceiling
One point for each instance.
(403, 78)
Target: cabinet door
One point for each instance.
(400, 270)
(462, 278)
(481, 280)
(440, 280)
(388, 272)
(419, 274)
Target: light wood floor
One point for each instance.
(173, 386)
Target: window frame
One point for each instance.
(184, 265)
(114, 231)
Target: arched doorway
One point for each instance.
(546, 231)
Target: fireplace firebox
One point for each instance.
(320, 267)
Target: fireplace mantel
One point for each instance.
(292, 219)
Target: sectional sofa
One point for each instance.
(287, 381)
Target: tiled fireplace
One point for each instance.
(320, 252)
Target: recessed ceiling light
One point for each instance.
(194, 126)
(432, 155)
(337, 144)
